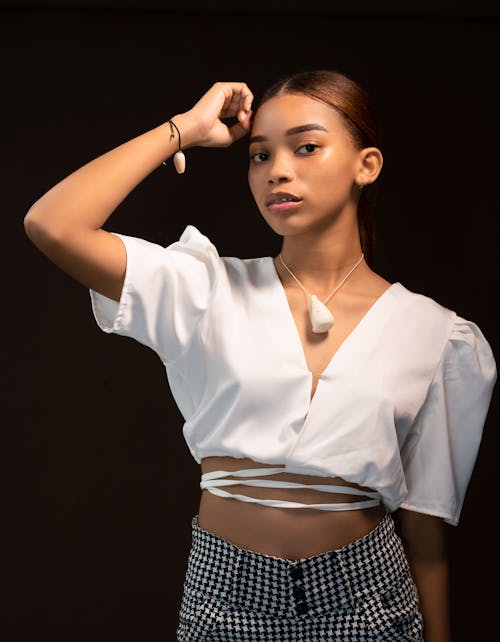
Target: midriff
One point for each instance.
(289, 533)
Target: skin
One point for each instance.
(320, 237)
(327, 227)
(320, 245)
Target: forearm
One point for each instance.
(430, 574)
(87, 197)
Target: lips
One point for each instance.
(276, 196)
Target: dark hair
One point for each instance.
(354, 106)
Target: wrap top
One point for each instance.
(400, 408)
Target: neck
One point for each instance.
(322, 260)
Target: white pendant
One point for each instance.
(180, 162)
(321, 317)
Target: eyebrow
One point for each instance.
(290, 132)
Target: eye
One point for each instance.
(252, 156)
(309, 145)
(257, 154)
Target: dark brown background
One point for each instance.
(100, 487)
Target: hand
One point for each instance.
(222, 100)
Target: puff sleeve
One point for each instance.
(440, 451)
(165, 292)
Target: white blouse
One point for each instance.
(400, 408)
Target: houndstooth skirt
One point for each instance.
(361, 592)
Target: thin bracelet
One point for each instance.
(179, 158)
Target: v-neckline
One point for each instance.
(341, 348)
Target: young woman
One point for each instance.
(336, 416)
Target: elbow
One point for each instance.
(30, 225)
(33, 218)
(36, 229)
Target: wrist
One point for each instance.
(190, 130)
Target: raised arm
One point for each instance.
(65, 223)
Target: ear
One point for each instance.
(370, 163)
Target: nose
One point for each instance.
(279, 168)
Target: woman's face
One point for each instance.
(318, 166)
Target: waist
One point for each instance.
(322, 496)
(338, 578)
(279, 529)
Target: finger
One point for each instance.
(245, 110)
(246, 98)
(242, 90)
(245, 118)
(238, 130)
(227, 103)
(246, 102)
(238, 97)
(235, 106)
